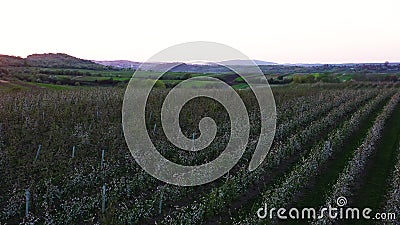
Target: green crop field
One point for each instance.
(331, 140)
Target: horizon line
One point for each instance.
(267, 61)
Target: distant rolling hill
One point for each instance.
(50, 60)
(184, 67)
(7, 60)
(64, 61)
(135, 65)
(247, 62)
(119, 63)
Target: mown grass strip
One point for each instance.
(314, 195)
(354, 171)
(250, 207)
(372, 189)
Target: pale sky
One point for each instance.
(283, 31)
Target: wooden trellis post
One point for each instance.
(27, 197)
(103, 202)
(38, 152)
(102, 158)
